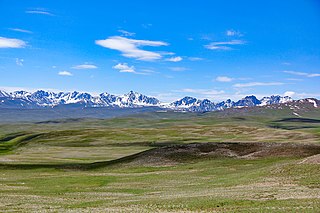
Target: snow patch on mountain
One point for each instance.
(41, 98)
(274, 99)
(314, 102)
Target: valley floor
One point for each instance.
(158, 162)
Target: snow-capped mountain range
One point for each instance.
(196, 105)
(42, 99)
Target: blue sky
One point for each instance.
(167, 49)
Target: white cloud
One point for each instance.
(174, 59)
(233, 33)
(224, 79)
(167, 97)
(130, 47)
(286, 63)
(39, 11)
(224, 45)
(215, 95)
(123, 67)
(301, 95)
(294, 79)
(11, 43)
(309, 75)
(289, 93)
(306, 95)
(202, 91)
(165, 53)
(84, 66)
(20, 30)
(65, 73)
(19, 61)
(314, 75)
(254, 84)
(296, 73)
(195, 58)
(126, 33)
(149, 71)
(178, 69)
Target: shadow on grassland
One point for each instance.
(188, 153)
(294, 123)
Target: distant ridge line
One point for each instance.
(45, 99)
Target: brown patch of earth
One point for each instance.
(315, 159)
(172, 155)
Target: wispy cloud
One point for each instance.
(230, 79)
(195, 59)
(84, 66)
(254, 84)
(11, 43)
(286, 63)
(300, 95)
(126, 33)
(215, 95)
(309, 75)
(294, 79)
(202, 91)
(199, 93)
(178, 69)
(233, 33)
(130, 47)
(224, 45)
(20, 30)
(19, 61)
(289, 93)
(40, 11)
(65, 73)
(123, 67)
(165, 53)
(167, 97)
(149, 71)
(174, 59)
(224, 79)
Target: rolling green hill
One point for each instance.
(239, 160)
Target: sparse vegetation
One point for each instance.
(92, 165)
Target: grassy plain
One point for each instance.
(50, 166)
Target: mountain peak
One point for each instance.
(248, 101)
(42, 98)
(3, 94)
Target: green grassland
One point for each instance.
(85, 165)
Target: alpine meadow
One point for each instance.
(159, 106)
